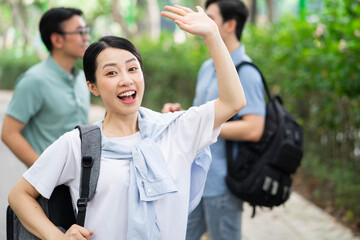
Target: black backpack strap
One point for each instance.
(267, 91)
(10, 215)
(229, 144)
(229, 155)
(90, 136)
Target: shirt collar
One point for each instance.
(239, 54)
(52, 64)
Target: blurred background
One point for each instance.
(309, 52)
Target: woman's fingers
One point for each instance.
(176, 12)
(181, 11)
(171, 16)
(78, 232)
(183, 26)
(200, 9)
(186, 9)
(194, 22)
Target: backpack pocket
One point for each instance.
(271, 187)
(289, 153)
(289, 157)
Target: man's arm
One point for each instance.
(11, 136)
(249, 128)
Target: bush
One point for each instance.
(314, 67)
(11, 67)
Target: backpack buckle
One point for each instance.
(87, 161)
(82, 204)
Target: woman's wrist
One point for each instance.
(212, 38)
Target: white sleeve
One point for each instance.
(195, 129)
(56, 165)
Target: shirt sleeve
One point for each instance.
(196, 129)
(26, 100)
(57, 165)
(254, 91)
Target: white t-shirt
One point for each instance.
(107, 212)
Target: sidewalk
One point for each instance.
(298, 219)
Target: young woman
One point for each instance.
(153, 166)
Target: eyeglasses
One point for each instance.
(82, 32)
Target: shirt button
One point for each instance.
(149, 190)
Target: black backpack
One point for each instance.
(59, 207)
(261, 173)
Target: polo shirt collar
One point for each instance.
(238, 55)
(50, 62)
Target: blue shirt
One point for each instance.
(207, 90)
(50, 102)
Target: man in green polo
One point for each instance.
(51, 97)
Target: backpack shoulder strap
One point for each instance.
(243, 63)
(229, 144)
(90, 136)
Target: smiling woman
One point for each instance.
(153, 165)
(116, 76)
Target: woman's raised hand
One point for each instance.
(197, 23)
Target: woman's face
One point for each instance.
(119, 81)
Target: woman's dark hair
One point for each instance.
(50, 22)
(93, 51)
(232, 9)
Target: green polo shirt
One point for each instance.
(50, 102)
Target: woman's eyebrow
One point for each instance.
(130, 60)
(109, 65)
(114, 64)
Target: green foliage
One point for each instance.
(11, 67)
(314, 66)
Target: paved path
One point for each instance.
(297, 220)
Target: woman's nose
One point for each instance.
(126, 80)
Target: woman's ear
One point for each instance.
(93, 89)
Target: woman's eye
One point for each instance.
(110, 73)
(132, 69)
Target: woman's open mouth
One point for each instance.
(127, 96)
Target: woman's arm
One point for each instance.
(231, 95)
(22, 200)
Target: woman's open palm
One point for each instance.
(197, 23)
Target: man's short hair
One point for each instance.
(50, 22)
(232, 9)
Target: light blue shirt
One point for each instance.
(50, 102)
(207, 90)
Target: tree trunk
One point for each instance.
(19, 17)
(116, 16)
(253, 11)
(270, 7)
(5, 36)
(153, 18)
(141, 24)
